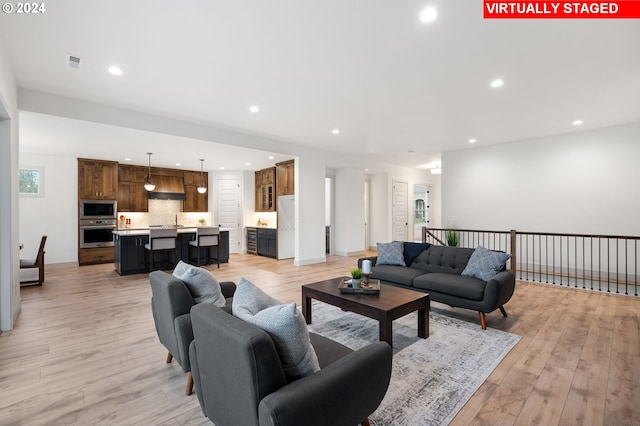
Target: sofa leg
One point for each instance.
(169, 358)
(504, 313)
(483, 321)
(365, 422)
(189, 383)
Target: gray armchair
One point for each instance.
(239, 379)
(171, 303)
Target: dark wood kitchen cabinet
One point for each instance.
(132, 197)
(129, 254)
(265, 190)
(284, 178)
(267, 242)
(97, 179)
(194, 201)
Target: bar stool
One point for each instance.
(207, 236)
(161, 240)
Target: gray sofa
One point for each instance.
(437, 270)
(240, 381)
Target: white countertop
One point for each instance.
(145, 231)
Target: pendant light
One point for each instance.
(148, 185)
(202, 188)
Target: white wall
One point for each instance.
(379, 211)
(310, 232)
(55, 214)
(578, 183)
(9, 256)
(349, 212)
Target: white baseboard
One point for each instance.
(310, 261)
(350, 253)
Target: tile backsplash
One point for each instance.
(164, 212)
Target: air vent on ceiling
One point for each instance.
(73, 61)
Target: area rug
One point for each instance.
(432, 378)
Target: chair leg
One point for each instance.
(504, 313)
(189, 383)
(365, 422)
(483, 321)
(40, 274)
(218, 256)
(169, 358)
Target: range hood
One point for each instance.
(167, 188)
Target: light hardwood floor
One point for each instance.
(84, 351)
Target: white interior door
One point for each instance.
(229, 196)
(400, 211)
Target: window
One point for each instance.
(31, 181)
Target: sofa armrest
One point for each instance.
(184, 336)
(343, 393)
(373, 260)
(500, 288)
(228, 288)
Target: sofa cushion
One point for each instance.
(397, 274)
(412, 250)
(448, 260)
(454, 285)
(390, 253)
(485, 264)
(284, 323)
(202, 285)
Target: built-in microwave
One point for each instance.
(98, 209)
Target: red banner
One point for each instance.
(623, 9)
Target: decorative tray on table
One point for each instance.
(372, 288)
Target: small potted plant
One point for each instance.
(201, 221)
(452, 238)
(356, 275)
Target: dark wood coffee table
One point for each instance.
(392, 303)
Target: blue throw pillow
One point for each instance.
(391, 254)
(412, 250)
(484, 264)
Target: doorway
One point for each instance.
(421, 210)
(229, 208)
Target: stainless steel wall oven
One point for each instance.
(96, 232)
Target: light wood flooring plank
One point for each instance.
(85, 351)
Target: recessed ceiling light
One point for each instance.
(178, 164)
(221, 167)
(577, 122)
(336, 131)
(127, 159)
(472, 141)
(497, 83)
(247, 164)
(115, 70)
(254, 108)
(271, 157)
(428, 14)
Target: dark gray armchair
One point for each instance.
(239, 379)
(171, 303)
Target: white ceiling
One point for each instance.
(390, 83)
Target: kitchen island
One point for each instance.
(130, 254)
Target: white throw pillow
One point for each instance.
(202, 285)
(284, 323)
